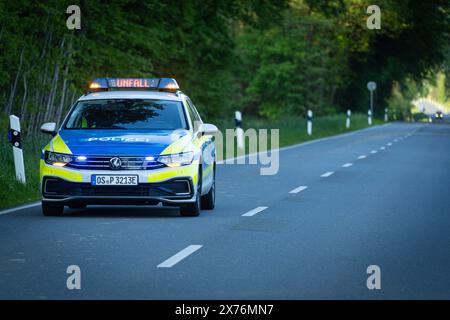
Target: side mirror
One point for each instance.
(49, 128)
(207, 129)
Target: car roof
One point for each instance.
(131, 95)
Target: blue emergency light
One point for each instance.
(160, 84)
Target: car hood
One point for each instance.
(120, 142)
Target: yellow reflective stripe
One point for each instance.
(59, 145)
(178, 146)
(47, 147)
(208, 170)
(184, 171)
(199, 141)
(69, 175)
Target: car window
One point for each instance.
(193, 114)
(127, 114)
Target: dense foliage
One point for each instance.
(266, 57)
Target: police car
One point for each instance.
(130, 142)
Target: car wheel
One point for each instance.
(208, 201)
(193, 209)
(49, 210)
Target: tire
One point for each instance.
(193, 209)
(208, 201)
(49, 210)
(77, 206)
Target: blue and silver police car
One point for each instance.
(130, 142)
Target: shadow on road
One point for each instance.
(123, 212)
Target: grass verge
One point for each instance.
(13, 192)
(292, 130)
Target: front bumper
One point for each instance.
(71, 186)
(176, 191)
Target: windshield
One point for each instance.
(127, 114)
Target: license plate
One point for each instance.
(114, 180)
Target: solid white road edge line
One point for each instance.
(254, 211)
(304, 144)
(31, 205)
(173, 260)
(251, 155)
(299, 189)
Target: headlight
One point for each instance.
(57, 159)
(178, 159)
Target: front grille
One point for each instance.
(102, 163)
(138, 191)
(156, 190)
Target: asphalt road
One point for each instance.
(390, 208)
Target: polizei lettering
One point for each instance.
(122, 139)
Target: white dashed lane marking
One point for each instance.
(346, 165)
(299, 189)
(173, 260)
(327, 174)
(254, 211)
(361, 157)
(373, 151)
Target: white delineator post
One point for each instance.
(369, 117)
(309, 122)
(347, 121)
(14, 136)
(386, 115)
(239, 130)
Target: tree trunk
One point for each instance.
(64, 88)
(54, 89)
(13, 91)
(72, 101)
(52, 92)
(24, 98)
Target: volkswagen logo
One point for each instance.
(115, 163)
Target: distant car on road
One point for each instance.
(130, 141)
(439, 116)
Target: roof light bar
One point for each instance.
(161, 84)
